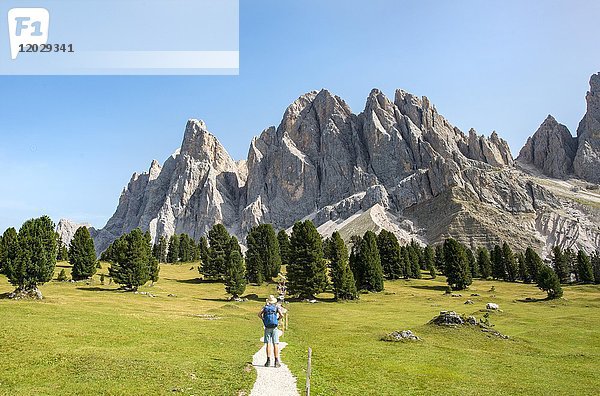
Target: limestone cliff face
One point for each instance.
(198, 185)
(554, 152)
(551, 149)
(587, 159)
(398, 164)
(66, 230)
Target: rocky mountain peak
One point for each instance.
(154, 170)
(587, 160)
(551, 149)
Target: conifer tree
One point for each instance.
(284, 246)
(62, 276)
(218, 240)
(484, 263)
(355, 241)
(548, 281)
(510, 264)
(429, 259)
(82, 255)
(369, 263)
(595, 259)
(342, 279)
(306, 271)
(153, 267)
(62, 251)
(584, 267)
(414, 257)
(560, 264)
(389, 253)
(533, 263)
(9, 246)
(439, 258)
(523, 271)
(173, 253)
(161, 249)
(33, 258)
(473, 267)
(235, 271)
(405, 262)
(134, 264)
(571, 259)
(254, 260)
(457, 266)
(498, 268)
(263, 259)
(203, 251)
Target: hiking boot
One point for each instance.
(277, 364)
(268, 363)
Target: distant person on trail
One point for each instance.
(270, 315)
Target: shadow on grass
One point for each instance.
(5, 296)
(427, 287)
(195, 281)
(533, 300)
(96, 288)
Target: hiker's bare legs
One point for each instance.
(276, 349)
(269, 354)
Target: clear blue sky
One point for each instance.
(70, 144)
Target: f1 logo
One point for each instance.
(27, 26)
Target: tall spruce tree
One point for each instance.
(584, 267)
(355, 241)
(548, 281)
(406, 263)
(414, 257)
(62, 253)
(263, 257)
(369, 263)
(153, 267)
(173, 254)
(219, 243)
(33, 257)
(203, 250)
(9, 246)
(389, 253)
(429, 259)
(254, 260)
(484, 263)
(498, 268)
(560, 264)
(342, 279)
(457, 265)
(235, 271)
(134, 264)
(82, 255)
(439, 258)
(473, 267)
(533, 263)
(161, 250)
(571, 258)
(284, 246)
(595, 260)
(523, 271)
(510, 264)
(306, 271)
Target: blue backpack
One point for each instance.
(270, 317)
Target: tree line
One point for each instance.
(28, 258)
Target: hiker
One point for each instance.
(270, 315)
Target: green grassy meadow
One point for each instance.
(94, 339)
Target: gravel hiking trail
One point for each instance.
(271, 381)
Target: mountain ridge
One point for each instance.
(325, 162)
